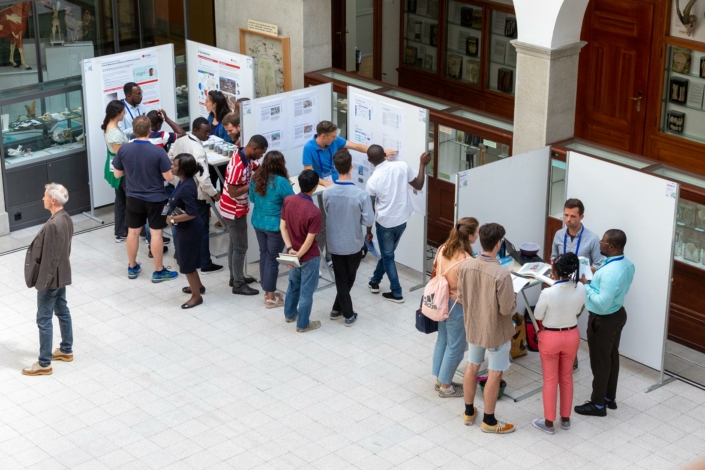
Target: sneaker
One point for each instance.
(452, 392)
(437, 387)
(351, 320)
(133, 272)
(245, 290)
(59, 355)
(374, 287)
(291, 320)
(314, 325)
(589, 409)
(335, 315)
(320, 274)
(166, 240)
(470, 419)
(540, 424)
(329, 263)
(612, 405)
(36, 369)
(120, 239)
(211, 268)
(499, 428)
(149, 251)
(393, 298)
(164, 275)
(565, 425)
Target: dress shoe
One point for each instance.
(245, 290)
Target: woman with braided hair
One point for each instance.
(558, 307)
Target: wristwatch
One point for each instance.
(172, 220)
(289, 248)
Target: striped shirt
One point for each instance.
(238, 173)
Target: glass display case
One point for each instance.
(502, 58)
(41, 122)
(420, 35)
(556, 190)
(683, 104)
(464, 45)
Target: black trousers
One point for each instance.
(603, 335)
(345, 270)
(120, 205)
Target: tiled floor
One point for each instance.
(231, 385)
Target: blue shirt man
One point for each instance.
(133, 107)
(605, 302)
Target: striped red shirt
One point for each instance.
(238, 173)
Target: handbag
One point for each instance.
(423, 323)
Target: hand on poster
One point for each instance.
(425, 158)
(389, 153)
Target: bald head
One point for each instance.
(375, 154)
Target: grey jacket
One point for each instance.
(47, 264)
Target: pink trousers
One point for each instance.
(558, 350)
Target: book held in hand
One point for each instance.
(286, 259)
(540, 271)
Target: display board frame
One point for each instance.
(97, 84)
(200, 75)
(644, 207)
(273, 52)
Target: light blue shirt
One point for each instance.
(348, 208)
(131, 112)
(321, 160)
(609, 286)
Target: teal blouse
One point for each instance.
(268, 208)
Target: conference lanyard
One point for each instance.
(320, 162)
(344, 183)
(560, 282)
(609, 261)
(485, 256)
(127, 107)
(304, 196)
(565, 241)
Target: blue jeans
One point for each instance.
(388, 239)
(49, 302)
(303, 282)
(204, 211)
(450, 344)
(270, 245)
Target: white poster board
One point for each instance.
(103, 80)
(288, 120)
(210, 68)
(513, 193)
(644, 207)
(395, 125)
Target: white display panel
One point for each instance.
(103, 80)
(395, 125)
(210, 68)
(644, 207)
(288, 120)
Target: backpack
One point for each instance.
(434, 303)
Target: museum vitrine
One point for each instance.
(683, 106)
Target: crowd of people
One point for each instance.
(164, 179)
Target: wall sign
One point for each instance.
(266, 28)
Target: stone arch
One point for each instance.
(550, 23)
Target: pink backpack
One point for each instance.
(436, 293)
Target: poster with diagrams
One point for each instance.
(138, 67)
(210, 68)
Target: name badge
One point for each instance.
(328, 177)
(165, 210)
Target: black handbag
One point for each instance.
(425, 324)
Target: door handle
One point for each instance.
(638, 102)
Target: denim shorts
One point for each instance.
(497, 358)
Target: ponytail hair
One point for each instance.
(459, 237)
(112, 110)
(567, 266)
(188, 166)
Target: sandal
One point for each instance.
(186, 306)
(277, 302)
(187, 290)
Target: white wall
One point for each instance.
(677, 28)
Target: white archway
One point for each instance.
(550, 23)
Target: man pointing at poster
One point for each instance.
(318, 156)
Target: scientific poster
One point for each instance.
(393, 128)
(211, 68)
(305, 117)
(272, 122)
(139, 67)
(364, 111)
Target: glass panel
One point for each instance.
(128, 25)
(637, 163)
(421, 34)
(56, 129)
(39, 87)
(502, 60)
(680, 176)
(69, 35)
(682, 112)
(431, 148)
(424, 102)
(351, 81)
(557, 189)
(340, 114)
(460, 151)
(18, 63)
(483, 118)
(463, 42)
(690, 233)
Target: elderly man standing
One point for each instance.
(48, 269)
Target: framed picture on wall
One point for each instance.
(680, 62)
(675, 121)
(678, 90)
(272, 59)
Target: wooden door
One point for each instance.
(338, 34)
(441, 210)
(614, 73)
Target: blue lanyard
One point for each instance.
(320, 163)
(560, 282)
(127, 107)
(485, 256)
(565, 241)
(304, 196)
(344, 183)
(608, 262)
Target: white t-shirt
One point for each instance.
(559, 305)
(389, 184)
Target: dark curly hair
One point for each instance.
(188, 166)
(112, 110)
(567, 266)
(273, 164)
